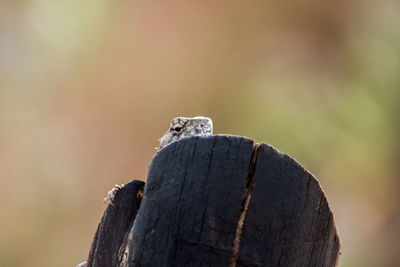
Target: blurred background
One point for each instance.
(87, 87)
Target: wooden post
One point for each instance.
(115, 226)
(219, 201)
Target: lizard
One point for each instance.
(179, 127)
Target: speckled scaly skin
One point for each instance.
(181, 127)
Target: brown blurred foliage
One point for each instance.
(86, 88)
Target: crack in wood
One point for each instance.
(245, 205)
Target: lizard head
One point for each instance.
(184, 127)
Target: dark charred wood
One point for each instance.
(192, 203)
(288, 221)
(220, 201)
(115, 225)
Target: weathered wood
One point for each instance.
(221, 201)
(288, 221)
(114, 226)
(193, 199)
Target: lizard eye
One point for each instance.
(177, 129)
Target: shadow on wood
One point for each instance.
(219, 201)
